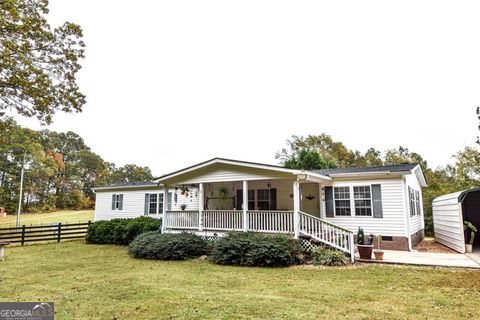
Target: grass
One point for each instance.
(103, 282)
(51, 217)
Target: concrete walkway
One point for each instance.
(429, 259)
(475, 256)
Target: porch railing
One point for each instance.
(181, 220)
(264, 221)
(223, 220)
(271, 221)
(328, 233)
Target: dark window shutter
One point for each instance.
(273, 199)
(113, 201)
(329, 202)
(147, 203)
(239, 199)
(120, 203)
(377, 201)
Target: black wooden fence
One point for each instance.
(39, 233)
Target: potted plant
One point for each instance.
(378, 252)
(222, 193)
(466, 226)
(365, 247)
(183, 207)
(184, 190)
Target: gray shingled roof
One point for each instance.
(390, 168)
(130, 184)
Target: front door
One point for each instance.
(310, 203)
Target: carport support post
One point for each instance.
(200, 206)
(245, 205)
(296, 209)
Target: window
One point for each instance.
(251, 199)
(417, 202)
(152, 203)
(411, 199)
(160, 203)
(169, 204)
(117, 202)
(263, 199)
(363, 200)
(342, 201)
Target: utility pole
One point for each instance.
(21, 190)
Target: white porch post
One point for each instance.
(200, 206)
(245, 205)
(296, 208)
(165, 206)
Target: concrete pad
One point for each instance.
(475, 256)
(428, 259)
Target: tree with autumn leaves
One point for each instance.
(38, 63)
(61, 169)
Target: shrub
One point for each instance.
(255, 249)
(156, 246)
(329, 257)
(120, 231)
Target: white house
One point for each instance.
(135, 199)
(326, 205)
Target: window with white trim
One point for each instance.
(417, 202)
(160, 203)
(152, 203)
(117, 202)
(169, 204)
(362, 200)
(411, 200)
(341, 196)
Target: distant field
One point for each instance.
(51, 217)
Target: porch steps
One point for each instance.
(327, 233)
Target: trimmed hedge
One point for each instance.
(255, 249)
(168, 246)
(120, 231)
(329, 257)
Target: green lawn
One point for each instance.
(58, 216)
(103, 282)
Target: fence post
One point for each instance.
(23, 235)
(59, 237)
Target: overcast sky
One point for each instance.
(173, 83)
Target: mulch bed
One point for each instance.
(429, 245)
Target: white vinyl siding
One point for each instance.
(415, 204)
(448, 222)
(134, 203)
(225, 172)
(393, 203)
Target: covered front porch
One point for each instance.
(270, 206)
(242, 196)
